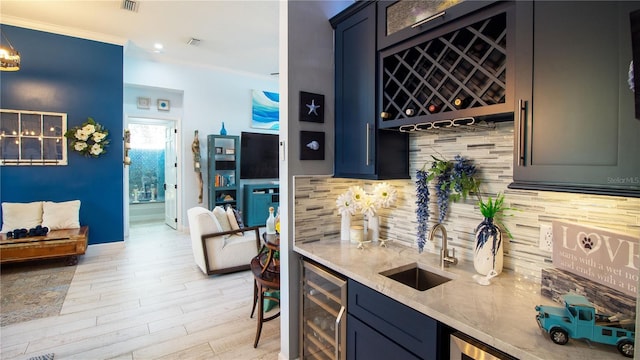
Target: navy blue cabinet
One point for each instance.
(575, 125)
(462, 70)
(367, 343)
(378, 324)
(361, 150)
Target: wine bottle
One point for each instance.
(433, 108)
(461, 102)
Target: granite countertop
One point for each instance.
(501, 315)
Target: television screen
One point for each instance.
(259, 156)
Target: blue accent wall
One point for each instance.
(82, 78)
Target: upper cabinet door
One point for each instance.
(575, 125)
(355, 94)
(362, 151)
(400, 20)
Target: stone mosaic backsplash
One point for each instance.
(491, 150)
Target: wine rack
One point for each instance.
(447, 75)
(323, 310)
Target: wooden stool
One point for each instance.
(265, 280)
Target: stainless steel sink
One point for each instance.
(414, 276)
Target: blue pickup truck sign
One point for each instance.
(577, 319)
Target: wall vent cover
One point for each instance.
(130, 5)
(194, 42)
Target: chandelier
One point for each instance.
(9, 57)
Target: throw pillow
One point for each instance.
(221, 216)
(232, 219)
(21, 215)
(238, 216)
(62, 215)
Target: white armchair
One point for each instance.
(217, 251)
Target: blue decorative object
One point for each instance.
(578, 319)
(223, 131)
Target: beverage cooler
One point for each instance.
(323, 315)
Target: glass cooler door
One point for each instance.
(324, 313)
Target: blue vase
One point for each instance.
(223, 131)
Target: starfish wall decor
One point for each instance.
(311, 107)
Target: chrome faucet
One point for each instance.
(445, 259)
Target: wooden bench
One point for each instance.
(57, 243)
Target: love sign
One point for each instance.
(608, 258)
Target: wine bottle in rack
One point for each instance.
(433, 108)
(461, 102)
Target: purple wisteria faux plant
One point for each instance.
(422, 209)
(454, 179)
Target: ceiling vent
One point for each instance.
(194, 42)
(130, 5)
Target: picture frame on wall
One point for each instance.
(143, 102)
(265, 110)
(312, 145)
(311, 107)
(164, 105)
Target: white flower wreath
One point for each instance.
(89, 139)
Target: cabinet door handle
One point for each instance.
(338, 331)
(367, 144)
(522, 116)
(424, 21)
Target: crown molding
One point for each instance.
(62, 30)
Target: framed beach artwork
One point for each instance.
(265, 113)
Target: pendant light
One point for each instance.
(9, 57)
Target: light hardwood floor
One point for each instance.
(147, 299)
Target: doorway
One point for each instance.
(151, 178)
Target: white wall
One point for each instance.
(201, 99)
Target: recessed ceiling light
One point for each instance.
(157, 47)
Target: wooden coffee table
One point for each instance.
(57, 243)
